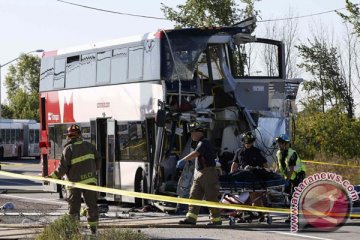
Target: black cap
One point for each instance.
(196, 127)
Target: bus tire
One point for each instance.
(140, 186)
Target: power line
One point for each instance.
(159, 18)
(109, 11)
(304, 16)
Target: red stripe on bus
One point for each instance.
(159, 34)
(49, 53)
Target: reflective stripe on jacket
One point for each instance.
(79, 162)
(297, 168)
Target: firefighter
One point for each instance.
(206, 180)
(80, 162)
(289, 164)
(249, 155)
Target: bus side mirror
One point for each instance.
(160, 118)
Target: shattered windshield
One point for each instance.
(184, 51)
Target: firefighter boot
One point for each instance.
(187, 222)
(93, 230)
(215, 222)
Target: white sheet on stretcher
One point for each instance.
(239, 198)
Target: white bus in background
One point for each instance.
(33, 140)
(19, 138)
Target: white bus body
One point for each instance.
(134, 97)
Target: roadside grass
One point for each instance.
(121, 234)
(67, 228)
(351, 172)
(63, 228)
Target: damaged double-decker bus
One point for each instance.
(134, 97)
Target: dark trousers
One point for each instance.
(294, 183)
(90, 198)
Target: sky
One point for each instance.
(27, 25)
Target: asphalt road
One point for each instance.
(33, 208)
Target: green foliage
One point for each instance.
(206, 13)
(353, 17)
(329, 133)
(6, 112)
(64, 228)
(328, 88)
(68, 228)
(121, 234)
(22, 83)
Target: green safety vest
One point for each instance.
(297, 168)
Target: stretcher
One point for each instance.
(270, 192)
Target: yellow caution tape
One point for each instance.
(332, 164)
(154, 196)
(15, 164)
(150, 196)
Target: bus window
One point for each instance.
(47, 74)
(137, 143)
(119, 65)
(88, 69)
(72, 78)
(136, 63)
(12, 136)
(59, 140)
(59, 75)
(31, 136)
(7, 136)
(17, 135)
(103, 67)
(123, 141)
(257, 59)
(85, 132)
(2, 135)
(37, 136)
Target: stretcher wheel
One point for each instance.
(269, 220)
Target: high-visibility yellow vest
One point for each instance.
(297, 168)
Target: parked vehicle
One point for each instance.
(19, 138)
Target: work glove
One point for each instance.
(180, 164)
(52, 175)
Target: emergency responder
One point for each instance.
(289, 164)
(206, 180)
(79, 162)
(249, 155)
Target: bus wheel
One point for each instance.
(140, 186)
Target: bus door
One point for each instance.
(112, 169)
(26, 142)
(98, 130)
(151, 142)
